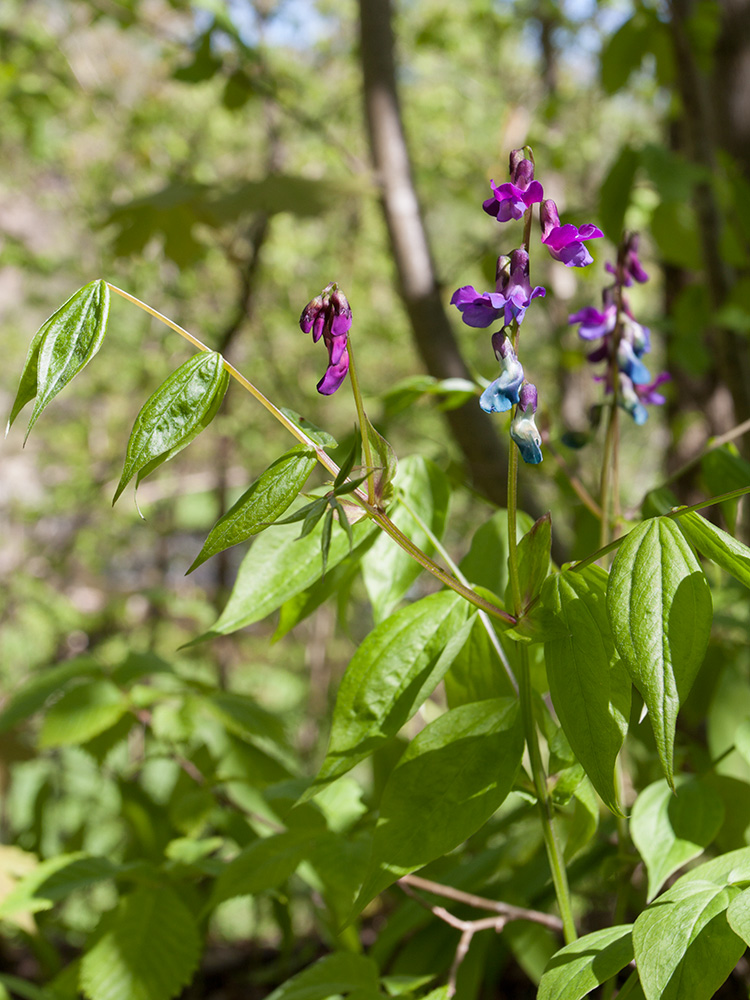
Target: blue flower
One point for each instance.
(523, 429)
(501, 394)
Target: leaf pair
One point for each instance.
(62, 348)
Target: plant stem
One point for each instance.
(380, 518)
(363, 425)
(554, 853)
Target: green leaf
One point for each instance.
(333, 976)
(82, 713)
(394, 670)
(176, 413)
(277, 567)
(660, 610)
(386, 465)
(449, 781)
(486, 562)
(25, 895)
(533, 561)
(580, 967)
(724, 470)
(263, 865)
(623, 54)
(738, 915)
(683, 945)
(149, 949)
(62, 348)
(35, 692)
(318, 435)
(387, 569)
(717, 545)
(669, 830)
(588, 683)
(268, 497)
(615, 192)
(477, 673)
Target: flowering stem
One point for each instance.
(610, 460)
(363, 426)
(380, 518)
(554, 853)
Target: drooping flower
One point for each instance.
(523, 429)
(509, 301)
(501, 394)
(512, 199)
(565, 243)
(329, 316)
(632, 269)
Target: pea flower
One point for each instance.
(329, 316)
(510, 300)
(565, 243)
(501, 394)
(511, 200)
(523, 429)
(631, 269)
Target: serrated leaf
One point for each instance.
(333, 976)
(717, 545)
(82, 713)
(580, 967)
(388, 570)
(62, 348)
(589, 686)
(394, 670)
(277, 567)
(449, 781)
(174, 415)
(683, 945)
(268, 497)
(669, 830)
(263, 865)
(149, 949)
(660, 610)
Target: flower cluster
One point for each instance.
(513, 294)
(623, 340)
(329, 316)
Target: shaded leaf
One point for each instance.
(263, 865)
(449, 781)
(34, 693)
(486, 562)
(82, 713)
(333, 976)
(477, 673)
(149, 949)
(660, 609)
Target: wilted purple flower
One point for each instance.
(501, 394)
(565, 243)
(523, 429)
(329, 316)
(511, 200)
(509, 301)
(632, 270)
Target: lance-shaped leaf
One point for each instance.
(399, 664)
(450, 780)
(533, 561)
(62, 348)
(684, 946)
(660, 610)
(268, 497)
(717, 545)
(278, 566)
(580, 967)
(175, 414)
(386, 465)
(589, 685)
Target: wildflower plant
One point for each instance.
(544, 671)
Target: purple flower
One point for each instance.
(632, 269)
(509, 301)
(595, 324)
(565, 243)
(647, 393)
(329, 316)
(501, 394)
(523, 429)
(511, 200)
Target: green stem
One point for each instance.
(363, 426)
(551, 843)
(380, 518)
